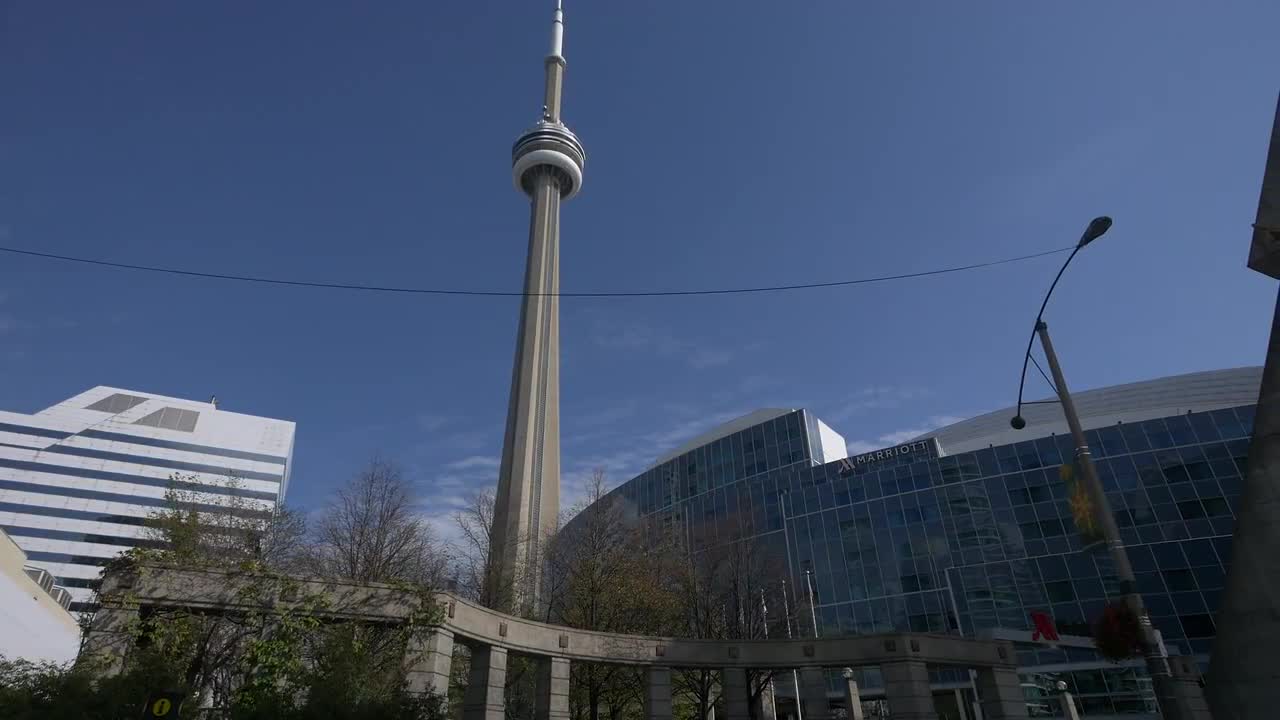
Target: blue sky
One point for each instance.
(730, 143)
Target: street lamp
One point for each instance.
(1174, 705)
(1097, 228)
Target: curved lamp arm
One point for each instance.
(1096, 229)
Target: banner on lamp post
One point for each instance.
(1084, 511)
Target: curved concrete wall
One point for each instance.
(475, 625)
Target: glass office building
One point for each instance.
(968, 528)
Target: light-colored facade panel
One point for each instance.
(60, 484)
(32, 545)
(220, 465)
(68, 464)
(72, 570)
(33, 624)
(87, 527)
(60, 502)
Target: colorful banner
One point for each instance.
(1083, 508)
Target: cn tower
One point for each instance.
(547, 162)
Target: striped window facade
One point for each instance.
(79, 479)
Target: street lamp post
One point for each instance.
(1174, 705)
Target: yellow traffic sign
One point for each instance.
(162, 705)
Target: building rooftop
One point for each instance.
(1130, 402)
(740, 423)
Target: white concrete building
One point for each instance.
(78, 479)
(33, 611)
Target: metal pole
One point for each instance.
(1171, 707)
(976, 707)
(813, 609)
(773, 696)
(955, 608)
(786, 535)
(795, 675)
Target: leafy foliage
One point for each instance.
(278, 654)
(1117, 633)
(43, 691)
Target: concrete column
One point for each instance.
(1244, 673)
(1000, 693)
(109, 640)
(485, 698)
(736, 694)
(430, 660)
(960, 703)
(764, 704)
(657, 693)
(852, 699)
(906, 687)
(1068, 703)
(553, 689)
(1191, 701)
(813, 694)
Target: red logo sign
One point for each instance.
(1044, 629)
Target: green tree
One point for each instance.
(600, 576)
(273, 657)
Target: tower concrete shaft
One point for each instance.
(547, 163)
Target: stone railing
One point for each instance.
(903, 658)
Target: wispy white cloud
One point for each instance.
(467, 439)
(626, 460)
(897, 437)
(475, 461)
(876, 397)
(442, 495)
(648, 338)
(431, 422)
(857, 447)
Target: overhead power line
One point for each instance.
(501, 293)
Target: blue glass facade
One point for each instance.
(922, 542)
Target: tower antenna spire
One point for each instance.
(555, 68)
(557, 32)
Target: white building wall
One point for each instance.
(35, 626)
(831, 444)
(76, 483)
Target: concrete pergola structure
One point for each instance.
(904, 659)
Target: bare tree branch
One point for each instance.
(371, 532)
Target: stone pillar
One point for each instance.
(813, 694)
(1068, 703)
(553, 689)
(430, 660)
(657, 693)
(485, 698)
(852, 699)
(1000, 693)
(109, 640)
(906, 687)
(736, 694)
(1186, 684)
